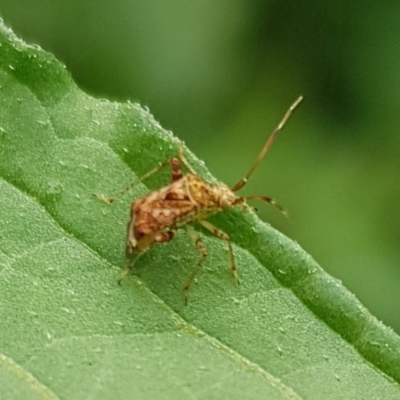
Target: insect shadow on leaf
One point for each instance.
(155, 217)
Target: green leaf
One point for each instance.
(290, 331)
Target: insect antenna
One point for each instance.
(267, 146)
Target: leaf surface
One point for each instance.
(290, 331)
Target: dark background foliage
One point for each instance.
(221, 74)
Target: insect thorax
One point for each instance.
(185, 200)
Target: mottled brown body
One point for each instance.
(156, 216)
(188, 199)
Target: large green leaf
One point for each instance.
(69, 331)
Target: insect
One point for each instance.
(155, 217)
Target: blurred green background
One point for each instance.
(220, 75)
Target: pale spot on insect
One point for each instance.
(160, 212)
(156, 213)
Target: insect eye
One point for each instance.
(225, 202)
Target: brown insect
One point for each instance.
(156, 217)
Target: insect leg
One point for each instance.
(130, 266)
(241, 202)
(222, 235)
(194, 236)
(175, 172)
(184, 160)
